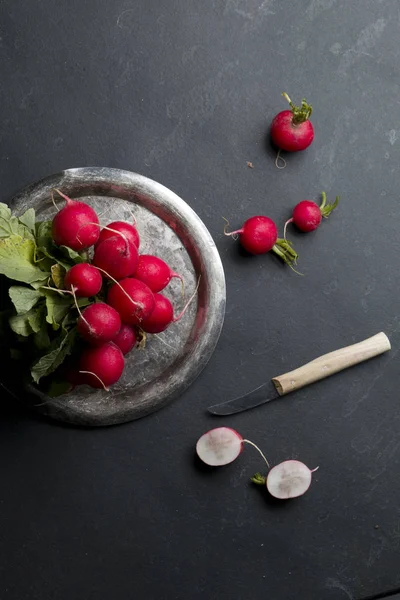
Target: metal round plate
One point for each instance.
(169, 228)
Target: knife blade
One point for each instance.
(317, 369)
(262, 394)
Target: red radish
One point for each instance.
(307, 215)
(219, 446)
(85, 279)
(76, 225)
(117, 256)
(125, 338)
(132, 299)
(129, 231)
(291, 130)
(161, 316)
(98, 323)
(163, 313)
(259, 235)
(154, 272)
(289, 479)
(102, 365)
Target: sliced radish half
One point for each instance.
(219, 446)
(289, 479)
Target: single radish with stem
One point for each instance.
(98, 323)
(163, 313)
(259, 235)
(76, 225)
(291, 130)
(289, 479)
(101, 366)
(117, 256)
(221, 446)
(85, 279)
(126, 338)
(128, 230)
(155, 273)
(132, 299)
(307, 215)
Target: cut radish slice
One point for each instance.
(289, 479)
(219, 446)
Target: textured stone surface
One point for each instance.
(183, 92)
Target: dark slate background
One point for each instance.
(184, 92)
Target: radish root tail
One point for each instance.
(138, 304)
(107, 229)
(233, 234)
(54, 202)
(182, 282)
(280, 159)
(79, 310)
(105, 388)
(175, 319)
(284, 229)
(258, 450)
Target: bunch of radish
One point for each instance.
(132, 284)
(223, 445)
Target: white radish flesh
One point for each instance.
(289, 479)
(219, 446)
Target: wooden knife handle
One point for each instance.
(331, 363)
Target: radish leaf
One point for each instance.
(61, 348)
(17, 260)
(23, 298)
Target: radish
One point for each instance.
(219, 446)
(116, 256)
(154, 272)
(85, 279)
(161, 316)
(132, 299)
(289, 479)
(76, 225)
(102, 365)
(98, 323)
(125, 338)
(259, 235)
(307, 215)
(129, 231)
(163, 313)
(291, 130)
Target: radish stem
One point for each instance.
(62, 195)
(258, 449)
(300, 113)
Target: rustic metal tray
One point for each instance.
(170, 229)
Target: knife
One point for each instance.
(317, 369)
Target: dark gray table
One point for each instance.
(184, 92)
